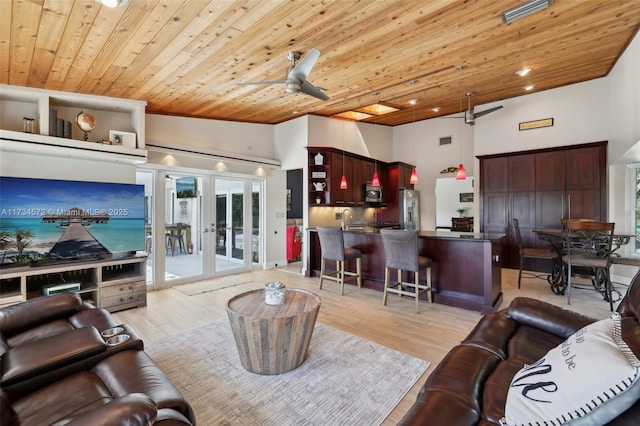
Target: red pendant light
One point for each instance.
(414, 173)
(461, 175)
(343, 182)
(414, 177)
(375, 181)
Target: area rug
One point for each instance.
(345, 380)
(211, 285)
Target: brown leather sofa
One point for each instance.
(470, 385)
(57, 368)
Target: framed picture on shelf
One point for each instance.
(126, 139)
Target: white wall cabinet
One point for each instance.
(117, 114)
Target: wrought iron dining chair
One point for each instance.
(588, 246)
(401, 253)
(574, 219)
(332, 247)
(546, 253)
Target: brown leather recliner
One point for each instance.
(58, 369)
(470, 385)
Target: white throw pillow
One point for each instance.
(590, 378)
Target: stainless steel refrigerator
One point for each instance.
(409, 209)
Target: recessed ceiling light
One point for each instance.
(435, 109)
(523, 72)
(529, 87)
(413, 101)
(113, 3)
(295, 112)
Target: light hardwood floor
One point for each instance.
(429, 335)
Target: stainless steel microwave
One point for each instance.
(373, 194)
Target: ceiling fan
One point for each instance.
(296, 81)
(470, 116)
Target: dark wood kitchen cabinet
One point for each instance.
(540, 188)
(396, 176)
(508, 193)
(358, 171)
(571, 184)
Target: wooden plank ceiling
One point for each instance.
(185, 57)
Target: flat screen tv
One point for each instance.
(45, 219)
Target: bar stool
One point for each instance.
(401, 253)
(332, 246)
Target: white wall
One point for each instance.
(65, 168)
(448, 192)
(239, 138)
(276, 219)
(624, 135)
(242, 140)
(419, 144)
(290, 142)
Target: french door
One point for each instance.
(234, 242)
(204, 226)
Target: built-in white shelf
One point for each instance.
(11, 141)
(123, 115)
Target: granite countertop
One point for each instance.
(444, 235)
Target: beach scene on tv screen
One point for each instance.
(57, 219)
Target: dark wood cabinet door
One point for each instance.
(495, 211)
(550, 171)
(362, 174)
(522, 206)
(583, 204)
(522, 173)
(349, 174)
(494, 174)
(404, 175)
(550, 207)
(583, 167)
(367, 172)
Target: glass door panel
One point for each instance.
(256, 190)
(230, 230)
(183, 225)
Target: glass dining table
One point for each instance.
(558, 277)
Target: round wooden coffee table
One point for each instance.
(273, 339)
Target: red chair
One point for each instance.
(294, 245)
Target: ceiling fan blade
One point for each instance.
(311, 90)
(262, 82)
(485, 112)
(303, 68)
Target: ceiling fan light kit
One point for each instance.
(296, 81)
(525, 9)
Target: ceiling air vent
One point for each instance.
(445, 140)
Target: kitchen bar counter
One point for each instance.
(466, 268)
